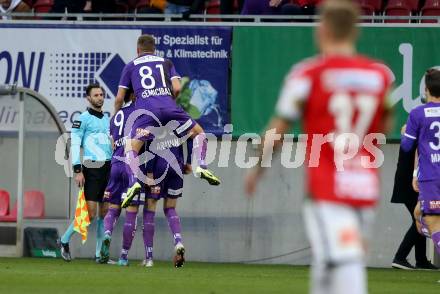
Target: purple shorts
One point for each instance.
(147, 126)
(424, 228)
(171, 185)
(429, 197)
(117, 186)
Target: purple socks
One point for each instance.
(436, 239)
(132, 166)
(128, 233)
(148, 233)
(174, 223)
(110, 220)
(200, 145)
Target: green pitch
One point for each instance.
(34, 276)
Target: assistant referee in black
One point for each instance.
(91, 133)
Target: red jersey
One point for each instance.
(344, 101)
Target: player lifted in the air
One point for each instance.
(155, 83)
(423, 130)
(340, 97)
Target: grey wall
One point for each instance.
(220, 224)
(41, 172)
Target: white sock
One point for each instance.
(319, 279)
(349, 278)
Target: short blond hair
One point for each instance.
(341, 18)
(146, 43)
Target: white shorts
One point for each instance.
(337, 233)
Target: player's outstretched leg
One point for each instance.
(148, 234)
(132, 166)
(128, 234)
(199, 149)
(110, 220)
(175, 228)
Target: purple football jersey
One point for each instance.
(423, 129)
(149, 76)
(118, 130)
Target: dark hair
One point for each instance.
(432, 82)
(146, 43)
(92, 86)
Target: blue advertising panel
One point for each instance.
(202, 55)
(77, 54)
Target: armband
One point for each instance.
(77, 168)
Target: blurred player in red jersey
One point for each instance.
(341, 98)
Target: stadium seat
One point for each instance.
(397, 8)
(431, 8)
(12, 216)
(213, 7)
(236, 7)
(33, 204)
(375, 4)
(30, 3)
(413, 5)
(367, 10)
(432, 4)
(33, 207)
(43, 6)
(4, 202)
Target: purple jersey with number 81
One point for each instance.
(149, 76)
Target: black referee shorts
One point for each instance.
(96, 179)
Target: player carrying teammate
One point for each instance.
(155, 83)
(170, 189)
(423, 129)
(341, 97)
(117, 185)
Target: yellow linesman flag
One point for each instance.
(82, 219)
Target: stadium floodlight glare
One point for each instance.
(8, 89)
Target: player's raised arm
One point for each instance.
(273, 138)
(176, 86)
(271, 142)
(175, 79)
(288, 109)
(119, 100)
(124, 86)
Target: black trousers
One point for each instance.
(412, 239)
